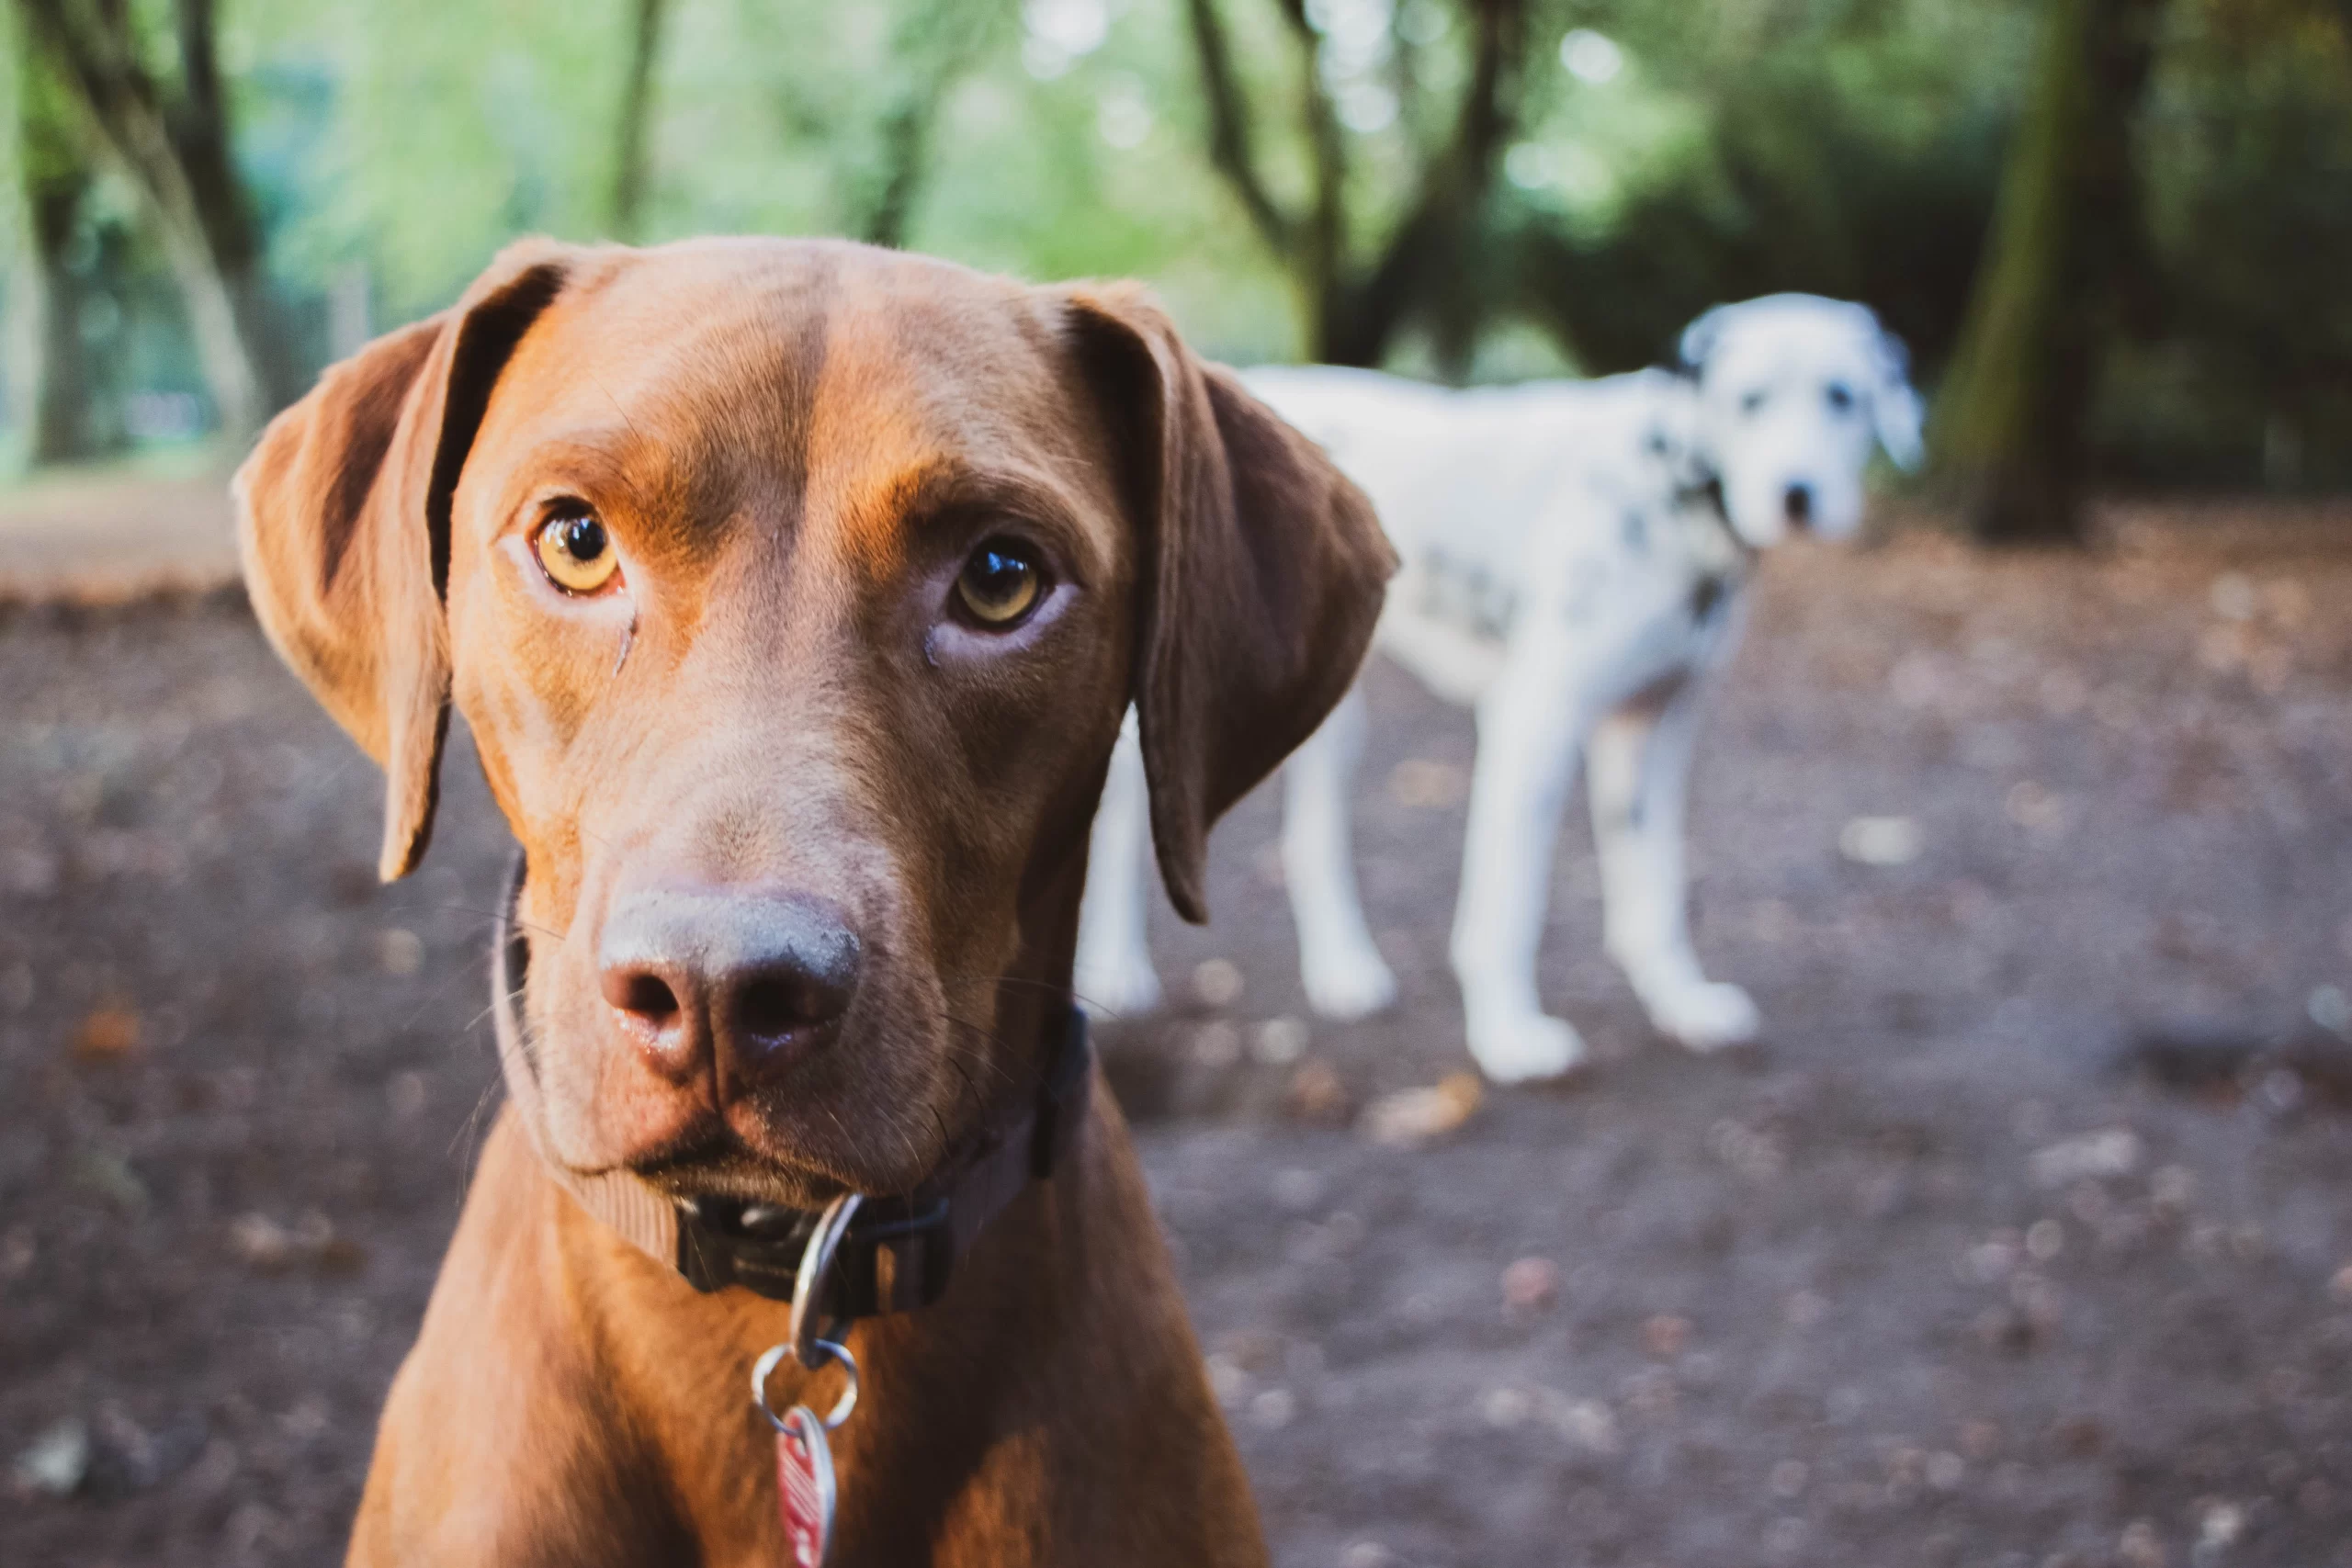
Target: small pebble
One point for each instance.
(1297, 1189)
(1216, 1044)
(1275, 1408)
(400, 952)
(2140, 1546)
(56, 1462)
(1532, 1285)
(1216, 982)
(1505, 1408)
(1280, 1041)
(1881, 841)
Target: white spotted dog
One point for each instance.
(1574, 555)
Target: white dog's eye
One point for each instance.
(1841, 398)
(1752, 402)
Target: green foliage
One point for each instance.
(1851, 147)
(2240, 358)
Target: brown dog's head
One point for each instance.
(793, 593)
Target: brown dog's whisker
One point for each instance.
(506, 916)
(1092, 1006)
(441, 989)
(989, 1062)
(469, 1131)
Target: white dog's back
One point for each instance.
(1471, 474)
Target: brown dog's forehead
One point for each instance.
(837, 372)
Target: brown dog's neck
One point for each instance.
(992, 1426)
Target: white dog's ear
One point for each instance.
(1895, 412)
(1699, 338)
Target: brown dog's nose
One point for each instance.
(735, 978)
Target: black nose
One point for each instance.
(1797, 501)
(740, 979)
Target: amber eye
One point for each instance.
(1001, 583)
(576, 552)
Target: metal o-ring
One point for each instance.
(766, 1367)
(816, 1266)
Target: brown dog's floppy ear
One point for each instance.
(343, 520)
(1261, 571)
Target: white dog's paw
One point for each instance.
(1346, 984)
(1519, 1047)
(1117, 988)
(1707, 1017)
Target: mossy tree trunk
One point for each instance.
(50, 378)
(2010, 433)
(626, 208)
(171, 137)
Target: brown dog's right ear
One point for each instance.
(1263, 573)
(342, 521)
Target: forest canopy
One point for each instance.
(206, 196)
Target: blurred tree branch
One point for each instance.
(936, 42)
(176, 152)
(1428, 263)
(626, 208)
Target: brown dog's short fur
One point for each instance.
(796, 447)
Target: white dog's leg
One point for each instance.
(1338, 963)
(1113, 974)
(1529, 723)
(1637, 775)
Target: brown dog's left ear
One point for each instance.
(1262, 574)
(342, 521)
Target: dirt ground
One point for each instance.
(2023, 1243)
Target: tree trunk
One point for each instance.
(2010, 424)
(50, 386)
(1430, 264)
(180, 164)
(636, 107)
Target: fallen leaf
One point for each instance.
(109, 1035)
(1415, 1116)
(1316, 1093)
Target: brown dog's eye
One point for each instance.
(1001, 583)
(576, 552)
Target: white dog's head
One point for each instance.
(1792, 390)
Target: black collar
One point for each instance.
(900, 1250)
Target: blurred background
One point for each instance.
(2025, 1241)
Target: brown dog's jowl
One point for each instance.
(793, 593)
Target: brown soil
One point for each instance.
(1868, 1297)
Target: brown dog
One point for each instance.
(793, 593)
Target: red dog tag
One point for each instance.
(804, 1487)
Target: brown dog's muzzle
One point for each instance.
(734, 985)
